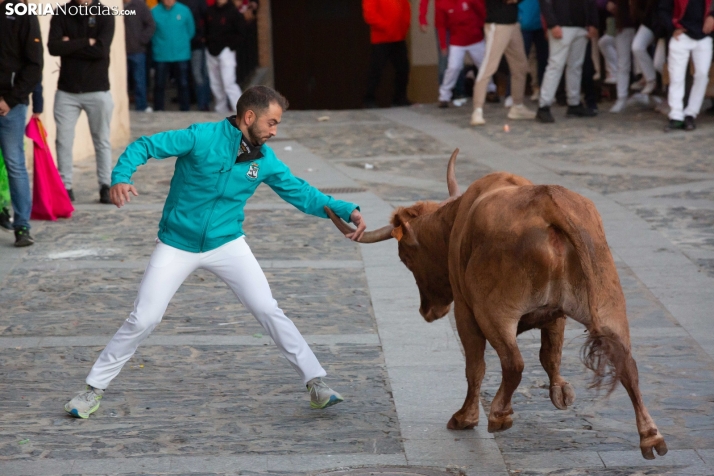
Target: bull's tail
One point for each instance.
(602, 351)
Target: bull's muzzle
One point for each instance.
(434, 312)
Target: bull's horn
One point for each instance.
(384, 233)
(451, 176)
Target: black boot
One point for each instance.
(104, 194)
(5, 220)
(580, 111)
(70, 194)
(22, 237)
(544, 115)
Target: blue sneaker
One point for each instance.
(322, 396)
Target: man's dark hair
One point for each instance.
(258, 99)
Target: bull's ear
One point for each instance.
(398, 233)
(409, 235)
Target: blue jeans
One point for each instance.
(12, 132)
(200, 78)
(136, 66)
(538, 39)
(180, 72)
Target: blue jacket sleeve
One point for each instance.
(304, 196)
(158, 146)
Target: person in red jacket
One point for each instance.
(462, 21)
(388, 21)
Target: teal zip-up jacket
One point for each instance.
(204, 208)
(174, 29)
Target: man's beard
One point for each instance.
(254, 135)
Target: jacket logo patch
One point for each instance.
(252, 172)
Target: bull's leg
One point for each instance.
(562, 393)
(621, 357)
(503, 340)
(474, 344)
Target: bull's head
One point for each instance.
(423, 246)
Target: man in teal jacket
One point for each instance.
(219, 165)
(171, 49)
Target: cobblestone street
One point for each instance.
(208, 393)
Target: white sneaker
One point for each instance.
(459, 102)
(508, 102)
(638, 85)
(84, 403)
(477, 117)
(536, 94)
(148, 109)
(619, 106)
(649, 87)
(519, 111)
(322, 396)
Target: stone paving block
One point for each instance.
(122, 465)
(682, 458)
(334, 461)
(34, 467)
(480, 453)
(218, 464)
(553, 459)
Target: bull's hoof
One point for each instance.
(499, 424)
(655, 441)
(456, 424)
(562, 396)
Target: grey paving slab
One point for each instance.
(36, 467)
(631, 459)
(553, 459)
(326, 462)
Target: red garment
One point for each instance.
(680, 6)
(462, 19)
(388, 20)
(424, 8)
(49, 198)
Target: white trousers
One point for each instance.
(476, 51)
(643, 39)
(222, 76)
(609, 52)
(568, 51)
(677, 62)
(623, 47)
(235, 264)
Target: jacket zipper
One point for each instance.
(12, 80)
(223, 190)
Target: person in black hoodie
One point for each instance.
(82, 41)
(570, 23)
(20, 71)
(224, 29)
(225, 26)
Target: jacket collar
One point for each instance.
(247, 151)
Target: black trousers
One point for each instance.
(395, 52)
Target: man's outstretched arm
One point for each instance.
(159, 146)
(310, 200)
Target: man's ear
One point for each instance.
(249, 117)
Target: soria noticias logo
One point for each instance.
(65, 8)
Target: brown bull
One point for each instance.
(514, 256)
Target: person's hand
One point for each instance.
(557, 32)
(424, 28)
(119, 194)
(65, 38)
(444, 52)
(677, 32)
(92, 42)
(708, 25)
(356, 218)
(36, 115)
(592, 32)
(4, 108)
